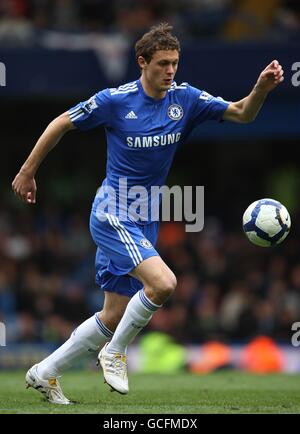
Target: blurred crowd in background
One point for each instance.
(228, 290)
(23, 22)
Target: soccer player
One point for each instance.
(145, 122)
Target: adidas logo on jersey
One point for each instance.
(131, 115)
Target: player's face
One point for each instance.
(160, 71)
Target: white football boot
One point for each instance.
(49, 388)
(114, 370)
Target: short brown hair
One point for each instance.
(158, 38)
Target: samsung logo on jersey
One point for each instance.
(150, 141)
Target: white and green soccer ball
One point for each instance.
(266, 222)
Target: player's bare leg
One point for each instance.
(88, 337)
(159, 283)
(113, 309)
(158, 279)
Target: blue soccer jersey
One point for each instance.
(143, 134)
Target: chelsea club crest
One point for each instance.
(146, 243)
(175, 112)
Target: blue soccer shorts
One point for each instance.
(121, 246)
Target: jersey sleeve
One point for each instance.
(205, 106)
(93, 112)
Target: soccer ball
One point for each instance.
(266, 222)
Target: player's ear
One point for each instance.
(142, 62)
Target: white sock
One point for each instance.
(138, 313)
(85, 338)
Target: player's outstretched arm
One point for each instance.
(24, 184)
(246, 110)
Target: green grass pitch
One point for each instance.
(220, 392)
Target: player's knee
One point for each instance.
(165, 285)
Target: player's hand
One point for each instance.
(24, 187)
(271, 76)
